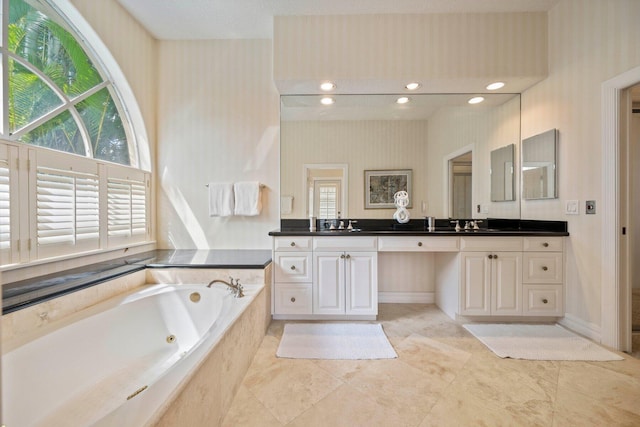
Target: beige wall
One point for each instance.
(384, 52)
(590, 41)
(217, 122)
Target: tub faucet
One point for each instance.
(236, 288)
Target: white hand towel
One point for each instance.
(221, 200)
(248, 200)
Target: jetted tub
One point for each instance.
(118, 363)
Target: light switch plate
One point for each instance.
(572, 207)
(590, 207)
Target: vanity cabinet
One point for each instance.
(490, 276)
(316, 277)
(345, 278)
(292, 259)
(543, 276)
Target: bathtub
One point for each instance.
(118, 363)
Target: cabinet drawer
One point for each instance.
(293, 267)
(292, 299)
(544, 244)
(542, 267)
(543, 300)
(418, 244)
(478, 243)
(345, 243)
(292, 243)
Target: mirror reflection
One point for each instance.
(539, 170)
(326, 190)
(373, 132)
(502, 188)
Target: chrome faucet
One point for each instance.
(236, 288)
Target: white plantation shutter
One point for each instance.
(127, 200)
(5, 205)
(67, 210)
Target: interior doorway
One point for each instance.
(616, 306)
(461, 179)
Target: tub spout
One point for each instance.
(236, 287)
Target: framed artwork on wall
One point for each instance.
(381, 185)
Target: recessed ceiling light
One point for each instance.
(413, 86)
(495, 86)
(476, 100)
(402, 100)
(327, 100)
(327, 86)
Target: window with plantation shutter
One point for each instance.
(127, 208)
(54, 205)
(67, 210)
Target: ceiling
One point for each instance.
(253, 19)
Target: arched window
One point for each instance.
(58, 98)
(72, 177)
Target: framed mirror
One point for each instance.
(502, 182)
(539, 166)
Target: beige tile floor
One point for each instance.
(442, 377)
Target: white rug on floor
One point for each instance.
(335, 341)
(538, 342)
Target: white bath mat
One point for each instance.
(538, 342)
(335, 341)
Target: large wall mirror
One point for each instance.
(539, 158)
(374, 132)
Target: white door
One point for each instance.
(328, 283)
(362, 283)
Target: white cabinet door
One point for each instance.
(361, 285)
(491, 283)
(506, 283)
(475, 284)
(328, 283)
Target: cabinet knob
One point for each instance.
(419, 243)
(490, 256)
(293, 299)
(348, 256)
(342, 256)
(545, 301)
(293, 267)
(293, 243)
(495, 257)
(545, 268)
(545, 244)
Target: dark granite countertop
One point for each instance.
(28, 292)
(435, 233)
(377, 227)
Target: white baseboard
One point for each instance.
(579, 326)
(406, 297)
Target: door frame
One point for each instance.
(615, 289)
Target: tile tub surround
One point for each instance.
(204, 399)
(18, 295)
(229, 359)
(442, 377)
(41, 309)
